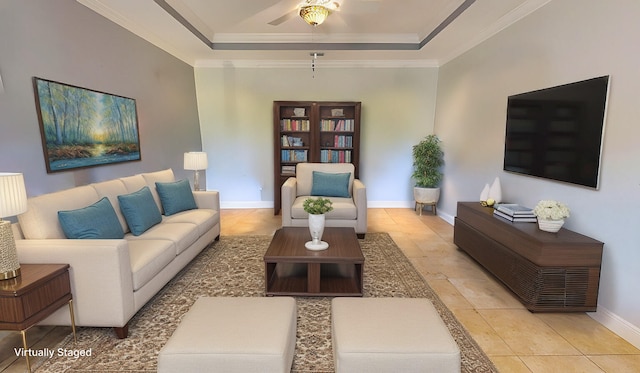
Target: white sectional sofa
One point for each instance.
(111, 279)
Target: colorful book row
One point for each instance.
(340, 141)
(294, 124)
(294, 155)
(337, 125)
(335, 156)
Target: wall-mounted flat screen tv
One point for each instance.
(556, 133)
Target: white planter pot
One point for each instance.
(550, 225)
(316, 229)
(426, 195)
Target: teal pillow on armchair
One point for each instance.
(330, 184)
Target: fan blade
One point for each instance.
(284, 18)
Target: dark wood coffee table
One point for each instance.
(291, 269)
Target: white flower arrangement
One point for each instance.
(551, 210)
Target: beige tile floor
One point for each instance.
(515, 339)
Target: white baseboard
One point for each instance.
(618, 325)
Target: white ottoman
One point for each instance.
(391, 335)
(244, 334)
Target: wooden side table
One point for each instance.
(27, 299)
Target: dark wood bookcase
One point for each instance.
(313, 131)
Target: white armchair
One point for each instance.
(349, 204)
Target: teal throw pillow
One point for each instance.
(330, 185)
(97, 221)
(139, 210)
(176, 196)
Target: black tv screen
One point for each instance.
(556, 133)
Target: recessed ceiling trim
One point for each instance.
(315, 38)
(252, 45)
(304, 64)
(307, 46)
(457, 12)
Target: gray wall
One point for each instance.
(64, 41)
(563, 42)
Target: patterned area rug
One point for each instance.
(234, 267)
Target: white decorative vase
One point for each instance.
(495, 191)
(316, 228)
(550, 225)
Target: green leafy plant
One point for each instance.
(428, 157)
(317, 206)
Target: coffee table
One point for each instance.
(291, 269)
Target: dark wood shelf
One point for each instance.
(549, 272)
(315, 113)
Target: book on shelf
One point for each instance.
(513, 209)
(337, 125)
(515, 218)
(294, 124)
(288, 170)
(291, 141)
(293, 155)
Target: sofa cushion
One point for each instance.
(182, 235)
(140, 210)
(205, 219)
(40, 221)
(343, 208)
(148, 258)
(151, 178)
(96, 221)
(330, 184)
(176, 196)
(133, 183)
(112, 189)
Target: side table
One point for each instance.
(27, 299)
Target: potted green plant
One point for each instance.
(428, 158)
(316, 208)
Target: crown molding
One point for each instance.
(306, 64)
(281, 38)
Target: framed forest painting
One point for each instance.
(81, 127)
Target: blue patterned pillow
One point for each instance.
(330, 184)
(176, 196)
(97, 221)
(139, 210)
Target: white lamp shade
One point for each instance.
(13, 194)
(195, 161)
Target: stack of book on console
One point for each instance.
(514, 213)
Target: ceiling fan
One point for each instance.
(315, 12)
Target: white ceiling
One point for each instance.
(359, 33)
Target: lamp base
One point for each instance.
(9, 265)
(10, 274)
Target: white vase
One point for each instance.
(550, 225)
(484, 195)
(495, 191)
(316, 228)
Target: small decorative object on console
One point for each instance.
(551, 215)
(316, 208)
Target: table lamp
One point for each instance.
(13, 201)
(195, 161)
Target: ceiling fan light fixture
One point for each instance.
(314, 14)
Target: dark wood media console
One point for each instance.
(548, 272)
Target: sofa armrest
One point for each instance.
(100, 274)
(207, 199)
(360, 199)
(288, 195)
